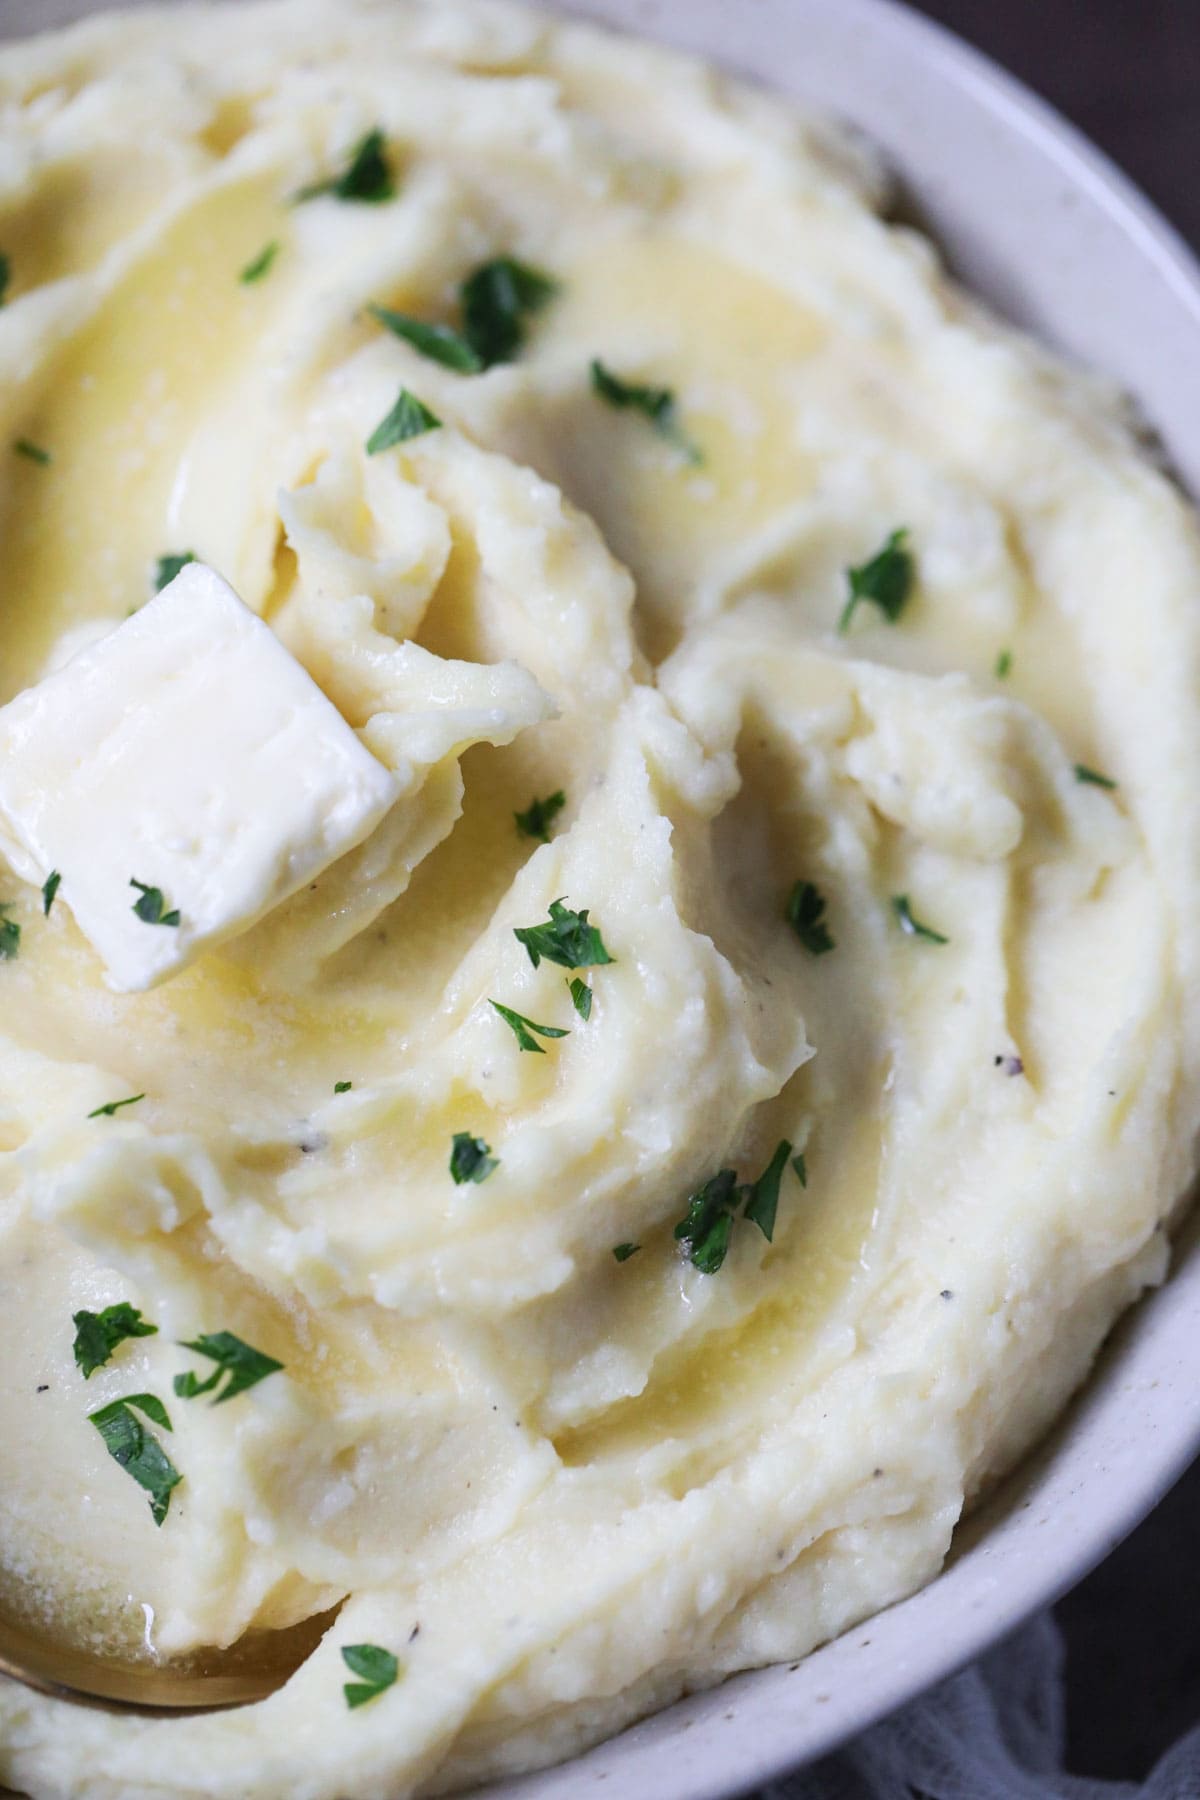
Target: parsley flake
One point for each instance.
(913, 926)
(707, 1226)
(114, 1106)
(581, 998)
(10, 934)
(1093, 777)
(521, 1027)
(5, 277)
(97, 1335)
(167, 567)
(244, 1365)
(149, 906)
(566, 939)
(536, 819)
(32, 452)
(342, 1087)
(139, 1453)
(409, 418)
(377, 1670)
(886, 581)
(801, 1168)
(50, 888)
(623, 1252)
(470, 1158)
(656, 404)
(1004, 663)
(806, 916)
(367, 176)
(440, 343)
(496, 300)
(261, 264)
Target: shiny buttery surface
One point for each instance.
(891, 702)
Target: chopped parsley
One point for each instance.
(1004, 664)
(495, 302)
(5, 277)
(581, 998)
(342, 1087)
(409, 418)
(806, 916)
(377, 1671)
(261, 264)
(707, 1226)
(522, 1028)
(1093, 777)
(50, 888)
(367, 176)
(913, 926)
(566, 939)
(167, 567)
(623, 1252)
(114, 1106)
(440, 343)
(10, 933)
(32, 452)
(801, 1168)
(535, 821)
(149, 906)
(244, 1365)
(655, 403)
(886, 581)
(470, 1158)
(97, 1335)
(139, 1453)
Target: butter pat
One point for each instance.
(190, 751)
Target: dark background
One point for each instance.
(1127, 72)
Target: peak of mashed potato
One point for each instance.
(591, 1480)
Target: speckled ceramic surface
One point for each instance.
(1043, 227)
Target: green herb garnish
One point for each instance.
(656, 403)
(5, 277)
(440, 343)
(806, 916)
(138, 1452)
(913, 926)
(342, 1087)
(535, 820)
(495, 302)
(801, 1168)
(886, 581)
(97, 1335)
(1093, 777)
(409, 418)
(244, 1365)
(367, 176)
(114, 1106)
(261, 264)
(581, 998)
(1004, 664)
(10, 933)
(50, 888)
(470, 1158)
(522, 1027)
(566, 939)
(623, 1252)
(377, 1669)
(167, 567)
(32, 452)
(149, 906)
(707, 1226)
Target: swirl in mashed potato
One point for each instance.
(862, 891)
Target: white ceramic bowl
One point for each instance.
(1039, 223)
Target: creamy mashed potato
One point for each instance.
(915, 899)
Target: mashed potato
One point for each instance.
(724, 575)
